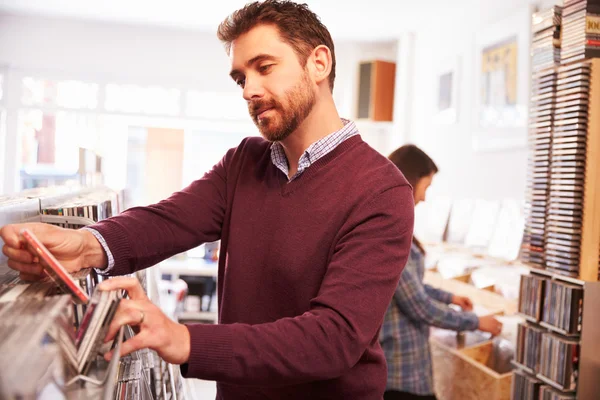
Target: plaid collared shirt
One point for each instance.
(315, 151)
(404, 335)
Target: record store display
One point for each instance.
(580, 30)
(52, 330)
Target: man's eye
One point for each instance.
(240, 82)
(265, 68)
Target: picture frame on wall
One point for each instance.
(447, 81)
(502, 76)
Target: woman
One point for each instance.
(415, 306)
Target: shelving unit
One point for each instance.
(588, 384)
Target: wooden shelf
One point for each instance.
(523, 368)
(590, 231)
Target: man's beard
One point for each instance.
(281, 121)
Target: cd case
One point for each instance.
(53, 268)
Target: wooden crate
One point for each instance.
(463, 374)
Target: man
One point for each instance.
(315, 228)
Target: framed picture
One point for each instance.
(446, 96)
(502, 76)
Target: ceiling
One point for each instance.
(346, 19)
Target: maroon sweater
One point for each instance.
(306, 270)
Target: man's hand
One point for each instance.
(74, 249)
(490, 324)
(463, 302)
(156, 331)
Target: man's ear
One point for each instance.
(321, 63)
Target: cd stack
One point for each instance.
(545, 46)
(531, 297)
(580, 30)
(567, 172)
(545, 57)
(93, 205)
(524, 386)
(563, 307)
(559, 361)
(529, 337)
(30, 356)
(543, 103)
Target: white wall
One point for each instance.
(110, 51)
(149, 55)
(464, 172)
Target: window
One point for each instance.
(216, 106)
(142, 100)
(66, 94)
(49, 144)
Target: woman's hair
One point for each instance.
(413, 162)
(414, 165)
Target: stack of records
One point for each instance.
(580, 30)
(525, 387)
(82, 346)
(531, 295)
(545, 46)
(548, 393)
(542, 108)
(529, 338)
(559, 360)
(567, 172)
(30, 359)
(563, 307)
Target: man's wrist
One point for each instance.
(182, 345)
(93, 252)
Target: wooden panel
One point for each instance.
(480, 353)
(589, 365)
(365, 79)
(590, 232)
(383, 91)
(164, 162)
(457, 376)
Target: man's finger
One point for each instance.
(131, 285)
(29, 269)
(29, 278)
(17, 254)
(129, 312)
(137, 342)
(10, 235)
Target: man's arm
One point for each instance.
(143, 236)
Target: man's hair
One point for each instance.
(297, 25)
